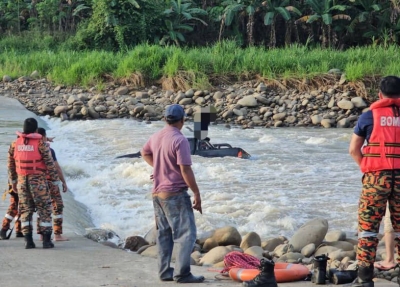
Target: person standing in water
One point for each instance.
(55, 193)
(168, 152)
(379, 161)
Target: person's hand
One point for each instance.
(14, 187)
(65, 187)
(59, 184)
(197, 203)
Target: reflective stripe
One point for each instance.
(46, 224)
(367, 234)
(26, 223)
(57, 216)
(9, 217)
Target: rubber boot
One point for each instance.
(342, 277)
(29, 244)
(266, 278)
(47, 241)
(319, 269)
(364, 278)
(3, 234)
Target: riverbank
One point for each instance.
(335, 103)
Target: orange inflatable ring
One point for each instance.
(284, 272)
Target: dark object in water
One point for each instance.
(206, 149)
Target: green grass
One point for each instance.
(86, 68)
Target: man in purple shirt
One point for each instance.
(168, 152)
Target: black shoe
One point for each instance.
(191, 279)
(29, 244)
(3, 234)
(166, 279)
(47, 241)
(19, 234)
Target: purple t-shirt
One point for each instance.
(170, 149)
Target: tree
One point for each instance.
(323, 13)
(246, 8)
(274, 8)
(180, 19)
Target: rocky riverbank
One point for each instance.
(248, 104)
(312, 239)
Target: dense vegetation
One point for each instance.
(193, 42)
(122, 24)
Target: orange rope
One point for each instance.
(236, 259)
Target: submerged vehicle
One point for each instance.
(206, 149)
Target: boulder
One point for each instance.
(249, 240)
(313, 231)
(227, 236)
(134, 243)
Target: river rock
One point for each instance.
(99, 234)
(215, 255)
(227, 236)
(209, 244)
(151, 236)
(335, 235)
(7, 79)
(308, 250)
(133, 243)
(272, 243)
(313, 231)
(359, 102)
(291, 257)
(250, 239)
(248, 101)
(345, 104)
(255, 251)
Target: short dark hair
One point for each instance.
(390, 86)
(41, 131)
(30, 126)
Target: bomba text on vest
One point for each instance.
(390, 122)
(25, 148)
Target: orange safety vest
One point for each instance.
(28, 160)
(383, 149)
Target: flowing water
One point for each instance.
(294, 175)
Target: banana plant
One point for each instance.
(324, 14)
(274, 8)
(234, 8)
(180, 19)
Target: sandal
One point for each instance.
(379, 266)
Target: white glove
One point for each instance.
(59, 184)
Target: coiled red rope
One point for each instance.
(236, 259)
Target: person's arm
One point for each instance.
(61, 176)
(12, 171)
(48, 161)
(147, 158)
(146, 153)
(188, 176)
(356, 144)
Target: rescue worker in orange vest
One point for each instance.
(12, 212)
(55, 193)
(29, 160)
(379, 160)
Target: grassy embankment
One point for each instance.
(195, 67)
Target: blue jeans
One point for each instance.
(175, 227)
